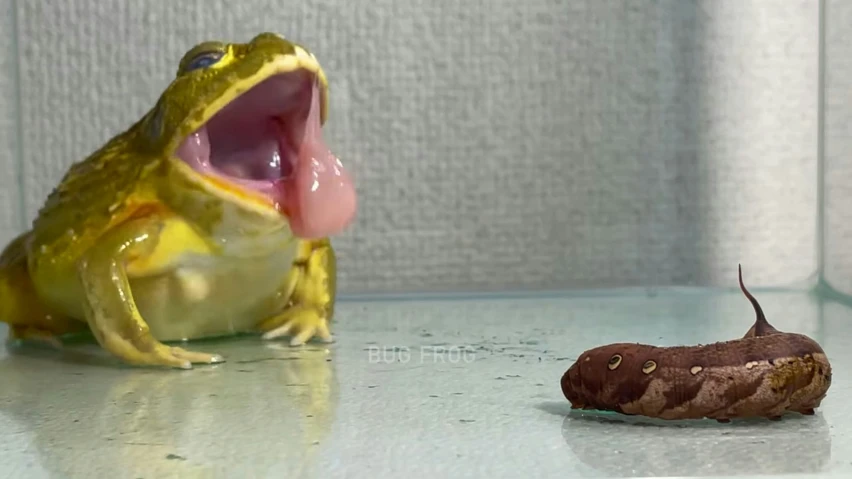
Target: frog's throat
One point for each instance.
(268, 140)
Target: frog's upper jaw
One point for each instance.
(267, 142)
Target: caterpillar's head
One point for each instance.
(572, 385)
(609, 376)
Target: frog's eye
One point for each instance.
(204, 60)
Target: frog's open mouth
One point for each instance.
(255, 139)
(269, 140)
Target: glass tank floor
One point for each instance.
(423, 388)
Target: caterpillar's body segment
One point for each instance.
(766, 373)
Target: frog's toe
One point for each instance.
(163, 356)
(323, 333)
(149, 352)
(303, 324)
(196, 357)
(319, 331)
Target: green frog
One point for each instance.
(209, 216)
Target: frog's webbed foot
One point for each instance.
(311, 289)
(302, 323)
(109, 306)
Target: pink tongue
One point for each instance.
(319, 196)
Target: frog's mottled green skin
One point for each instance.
(140, 248)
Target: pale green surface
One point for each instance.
(497, 412)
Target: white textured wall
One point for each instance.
(838, 146)
(10, 192)
(496, 143)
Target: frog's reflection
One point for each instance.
(268, 409)
(630, 446)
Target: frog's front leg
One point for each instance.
(311, 289)
(110, 309)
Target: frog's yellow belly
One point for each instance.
(185, 288)
(205, 296)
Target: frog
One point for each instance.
(210, 216)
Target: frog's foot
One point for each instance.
(147, 351)
(303, 323)
(310, 287)
(28, 333)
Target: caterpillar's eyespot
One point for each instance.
(204, 60)
(614, 362)
(649, 367)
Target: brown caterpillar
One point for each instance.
(766, 373)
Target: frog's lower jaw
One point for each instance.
(268, 140)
